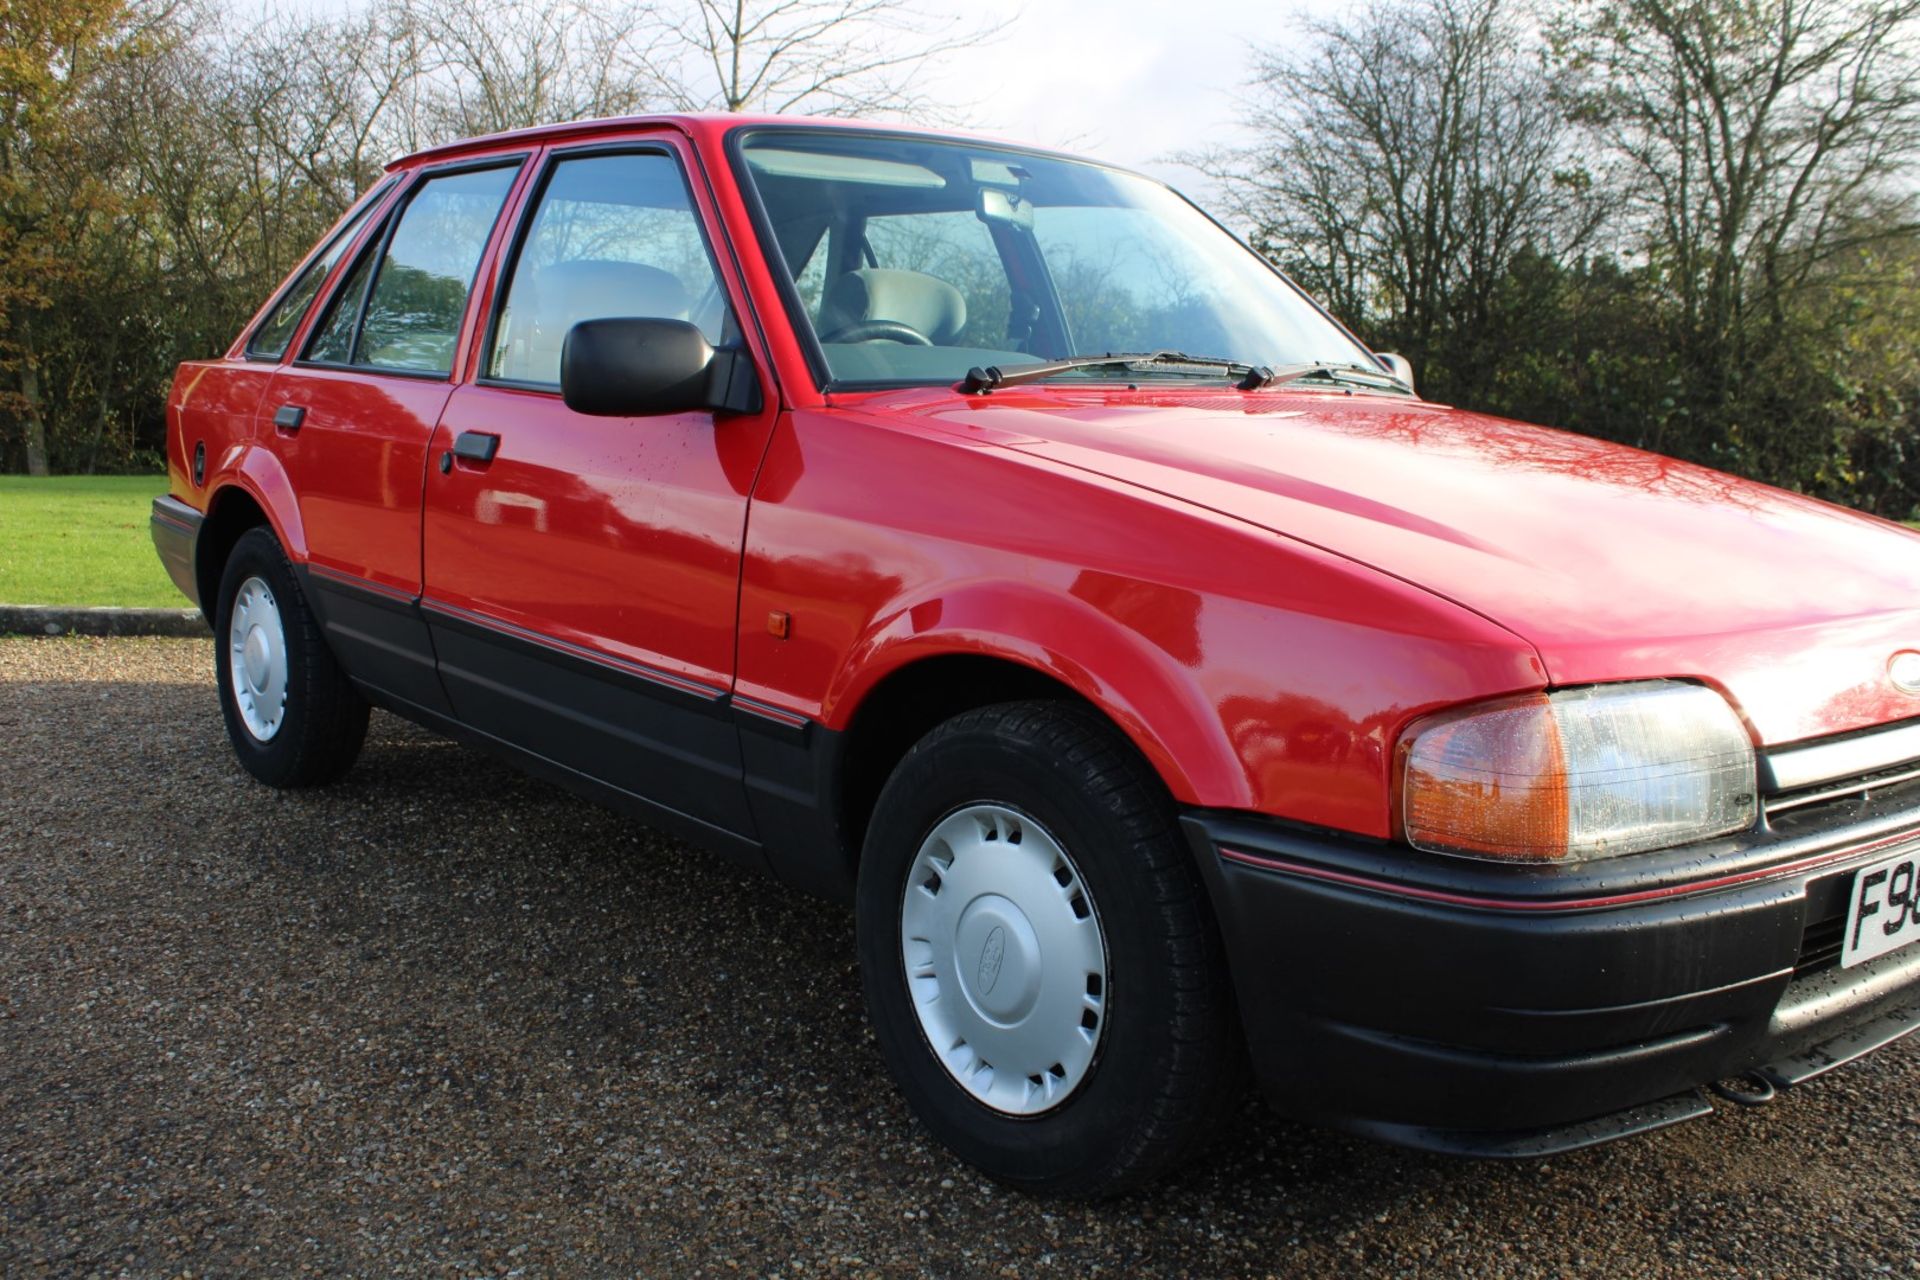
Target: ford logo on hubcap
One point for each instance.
(996, 948)
(1904, 669)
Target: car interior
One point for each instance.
(559, 296)
(903, 270)
(612, 235)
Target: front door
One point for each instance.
(582, 580)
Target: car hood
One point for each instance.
(1611, 562)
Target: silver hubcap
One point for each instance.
(257, 645)
(1005, 960)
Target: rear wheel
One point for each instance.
(294, 718)
(1044, 975)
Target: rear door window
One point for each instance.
(405, 313)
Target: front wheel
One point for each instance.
(1043, 972)
(294, 718)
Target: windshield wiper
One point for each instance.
(1336, 371)
(1252, 377)
(980, 381)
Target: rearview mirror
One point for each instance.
(631, 367)
(1009, 208)
(1399, 366)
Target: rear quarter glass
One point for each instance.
(269, 340)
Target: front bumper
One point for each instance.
(1492, 1010)
(176, 535)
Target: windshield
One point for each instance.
(915, 260)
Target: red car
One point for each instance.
(988, 538)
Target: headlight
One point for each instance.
(1581, 773)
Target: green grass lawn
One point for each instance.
(81, 540)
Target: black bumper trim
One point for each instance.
(1552, 1140)
(176, 536)
(1520, 1065)
(1878, 1033)
(1524, 1144)
(1446, 1018)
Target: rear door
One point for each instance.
(582, 581)
(353, 415)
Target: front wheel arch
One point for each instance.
(908, 703)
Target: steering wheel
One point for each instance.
(879, 331)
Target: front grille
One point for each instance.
(1820, 944)
(1847, 766)
(1862, 788)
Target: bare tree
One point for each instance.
(509, 64)
(322, 101)
(334, 98)
(1406, 154)
(823, 57)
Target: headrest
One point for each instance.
(921, 302)
(593, 288)
(562, 295)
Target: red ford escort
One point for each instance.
(988, 538)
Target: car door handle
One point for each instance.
(477, 447)
(288, 417)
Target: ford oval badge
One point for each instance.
(996, 948)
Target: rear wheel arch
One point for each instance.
(255, 492)
(230, 513)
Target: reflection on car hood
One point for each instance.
(1612, 562)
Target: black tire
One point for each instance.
(325, 718)
(1170, 1065)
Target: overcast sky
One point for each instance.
(1129, 81)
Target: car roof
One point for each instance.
(693, 124)
(703, 125)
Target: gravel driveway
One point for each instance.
(444, 1020)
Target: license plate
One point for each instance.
(1885, 912)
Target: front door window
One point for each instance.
(613, 235)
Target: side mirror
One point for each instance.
(630, 367)
(1399, 366)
